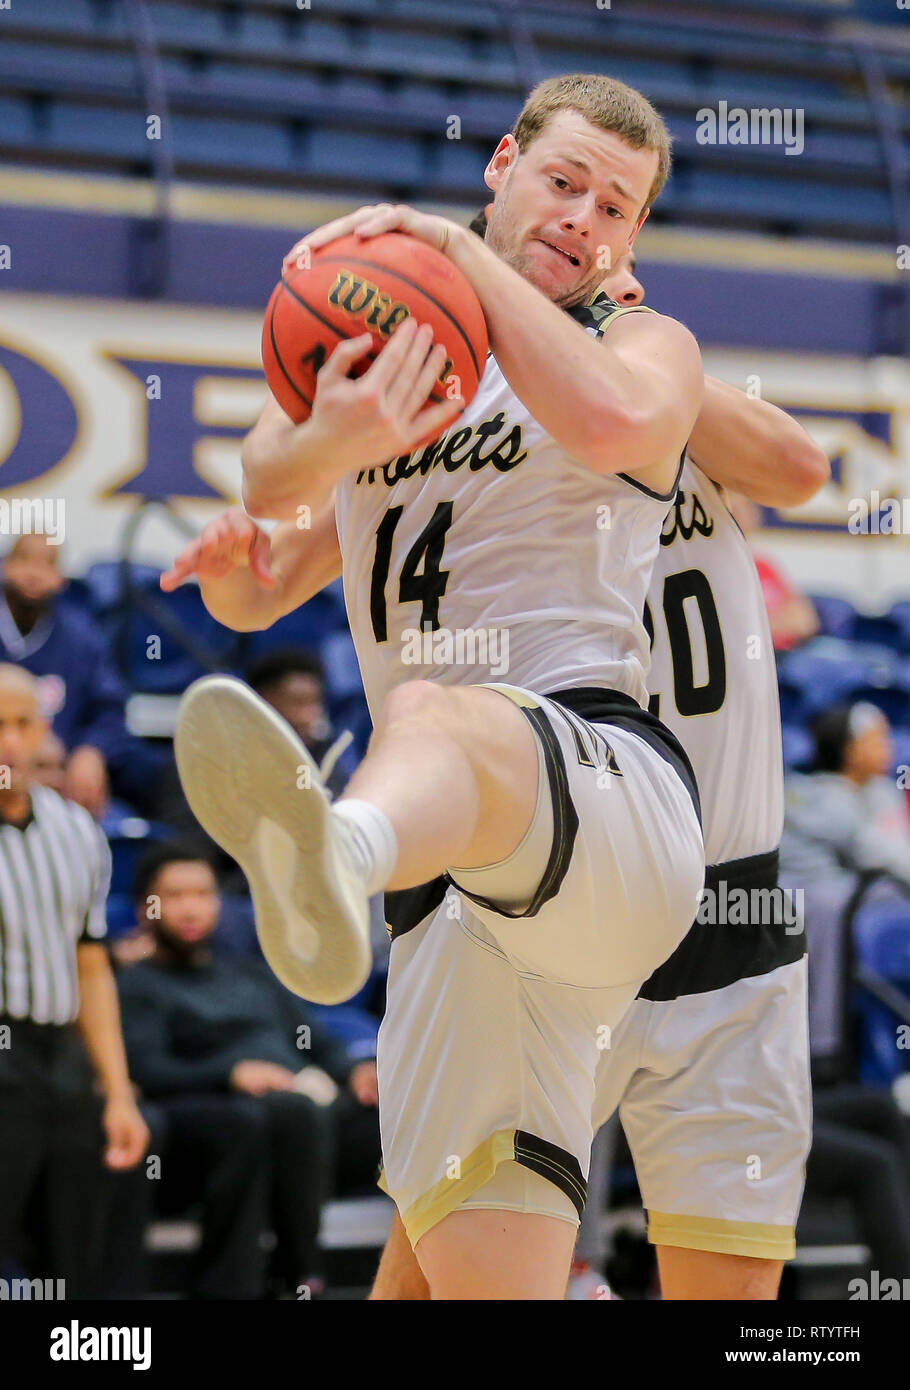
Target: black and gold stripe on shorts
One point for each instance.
(541, 1156)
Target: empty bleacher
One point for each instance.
(354, 96)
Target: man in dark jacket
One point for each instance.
(81, 693)
(244, 1079)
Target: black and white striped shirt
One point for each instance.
(55, 874)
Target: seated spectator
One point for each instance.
(81, 692)
(861, 1151)
(792, 615)
(861, 1141)
(292, 681)
(258, 1100)
(848, 816)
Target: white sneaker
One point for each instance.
(254, 788)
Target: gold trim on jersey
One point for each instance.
(761, 1241)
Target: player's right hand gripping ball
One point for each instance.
(357, 285)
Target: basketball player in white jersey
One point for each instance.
(538, 839)
(709, 1068)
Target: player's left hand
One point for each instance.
(372, 221)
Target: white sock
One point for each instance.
(372, 839)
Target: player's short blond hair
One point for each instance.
(605, 102)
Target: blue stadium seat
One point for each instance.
(881, 941)
(222, 142)
(168, 666)
(356, 155)
(893, 700)
(128, 841)
(50, 68)
(103, 581)
(196, 24)
(882, 629)
(334, 593)
(786, 199)
(99, 131)
(457, 166)
(120, 913)
(236, 932)
(798, 746)
(900, 614)
(16, 122)
(859, 148)
(351, 1024)
(354, 715)
(449, 49)
(342, 671)
(324, 40)
(793, 706)
(824, 679)
(269, 31)
(900, 738)
(49, 16)
(836, 615)
(307, 626)
(759, 89)
(243, 88)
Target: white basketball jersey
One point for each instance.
(713, 679)
(490, 554)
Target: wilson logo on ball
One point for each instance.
(355, 296)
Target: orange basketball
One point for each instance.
(353, 286)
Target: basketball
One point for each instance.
(355, 285)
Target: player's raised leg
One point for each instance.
(455, 770)
(450, 778)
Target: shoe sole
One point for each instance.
(256, 791)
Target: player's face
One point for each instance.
(569, 207)
(622, 285)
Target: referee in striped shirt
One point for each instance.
(59, 1018)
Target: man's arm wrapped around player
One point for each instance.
(248, 578)
(754, 447)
